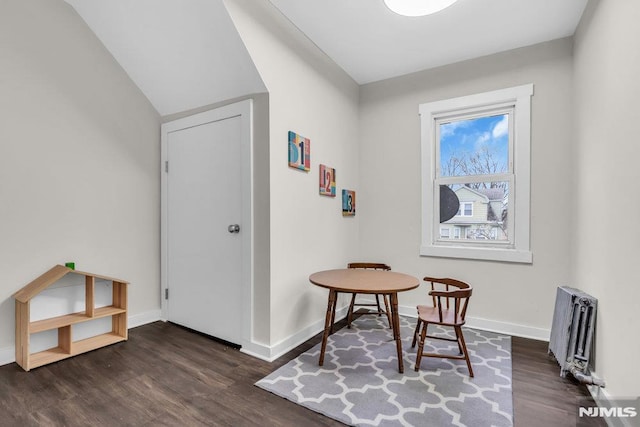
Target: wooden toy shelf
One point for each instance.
(66, 346)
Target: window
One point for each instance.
(476, 164)
(466, 209)
(444, 232)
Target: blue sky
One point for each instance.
(470, 136)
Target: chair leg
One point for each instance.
(415, 333)
(464, 347)
(385, 298)
(458, 340)
(423, 337)
(350, 312)
(378, 305)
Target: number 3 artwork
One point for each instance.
(348, 202)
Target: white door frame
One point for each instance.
(244, 110)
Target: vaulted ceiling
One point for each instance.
(182, 54)
(188, 54)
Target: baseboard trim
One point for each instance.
(602, 398)
(144, 318)
(271, 353)
(506, 328)
(514, 329)
(8, 354)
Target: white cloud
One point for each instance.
(502, 127)
(448, 129)
(482, 140)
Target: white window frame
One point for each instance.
(518, 249)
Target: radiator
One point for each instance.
(572, 333)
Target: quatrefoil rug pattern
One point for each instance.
(360, 385)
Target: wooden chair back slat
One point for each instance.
(385, 299)
(369, 265)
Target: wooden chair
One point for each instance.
(379, 311)
(450, 300)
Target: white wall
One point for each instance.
(607, 66)
(79, 159)
(515, 297)
(310, 95)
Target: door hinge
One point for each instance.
(166, 166)
(166, 293)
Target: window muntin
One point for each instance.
(472, 142)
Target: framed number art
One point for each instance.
(327, 181)
(348, 202)
(299, 152)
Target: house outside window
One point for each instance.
(476, 146)
(444, 232)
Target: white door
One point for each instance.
(205, 224)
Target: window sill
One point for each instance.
(486, 254)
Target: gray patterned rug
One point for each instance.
(360, 385)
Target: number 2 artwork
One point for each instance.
(348, 202)
(299, 152)
(327, 181)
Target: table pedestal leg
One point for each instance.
(395, 321)
(328, 323)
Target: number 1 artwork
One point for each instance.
(327, 181)
(348, 203)
(299, 152)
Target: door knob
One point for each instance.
(234, 228)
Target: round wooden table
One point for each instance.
(349, 280)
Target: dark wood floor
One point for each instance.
(168, 376)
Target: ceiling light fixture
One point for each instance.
(417, 7)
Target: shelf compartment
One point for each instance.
(58, 353)
(96, 342)
(70, 319)
(47, 356)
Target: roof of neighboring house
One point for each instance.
(492, 193)
(472, 191)
(489, 193)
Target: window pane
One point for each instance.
(476, 146)
(483, 211)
